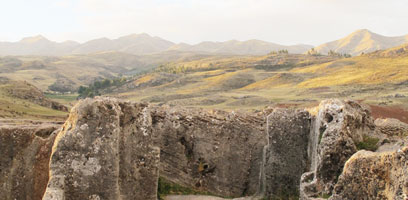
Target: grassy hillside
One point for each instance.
(19, 100)
(379, 79)
(67, 73)
(233, 82)
(222, 82)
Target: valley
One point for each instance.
(156, 108)
(204, 100)
(224, 81)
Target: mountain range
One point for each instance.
(140, 44)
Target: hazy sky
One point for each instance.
(193, 21)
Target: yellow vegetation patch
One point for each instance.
(365, 71)
(278, 80)
(144, 79)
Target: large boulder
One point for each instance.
(25, 153)
(286, 156)
(391, 127)
(338, 127)
(104, 151)
(215, 151)
(369, 175)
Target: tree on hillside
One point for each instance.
(94, 88)
(272, 53)
(283, 51)
(346, 55)
(313, 52)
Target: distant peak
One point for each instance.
(34, 39)
(137, 35)
(362, 31)
(70, 42)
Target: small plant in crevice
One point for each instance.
(166, 187)
(325, 196)
(322, 129)
(368, 143)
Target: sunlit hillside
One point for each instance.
(286, 80)
(22, 101)
(362, 41)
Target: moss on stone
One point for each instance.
(325, 196)
(368, 143)
(166, 187)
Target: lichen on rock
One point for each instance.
(338, 127)
(372, 175)
(25, 153)
(103, 152)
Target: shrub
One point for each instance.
(368, 143)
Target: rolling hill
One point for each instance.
(379, 79)
(21, 100)
(249, 47)
(229, 81)
(362, 41)
(133, 44)
(67, 73)
(37, 45)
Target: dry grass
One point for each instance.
(365, 71)
(11, 107)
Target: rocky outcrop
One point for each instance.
(369, 175)
(104, 151)
(214, 151)
(111, 149)
(105, 141)
(338, 127)
(286, 155)
(25, 153)
(391, 127)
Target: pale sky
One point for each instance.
(192, 21)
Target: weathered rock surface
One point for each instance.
(391, 127)
(338, 127)
(369, 175)
(25, 152)
(104, 151)
(201, 197)
(286, 155)
(109, 149)
(215, 151)
(393, 134)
